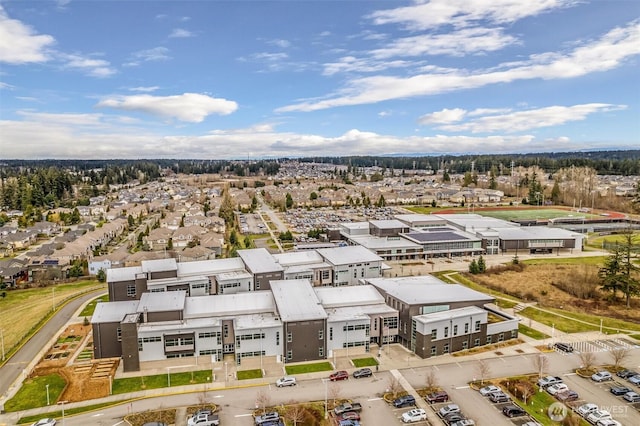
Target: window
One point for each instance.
(320, 335)
(330, 333)
(445, 349)
(131, 290)
(465, 345)
(289, 337)
(476, 342)
(434, 333)
(119, 334)
(466, 327)
(226, 330)
(139, 345)
(488, 340)
(446, 332)
(277, 338)
(514, 333)
(325, 275)
(477, 325)
(455, 330)
(501, 337)
(321, 352)
(434, 350)
(289, 355)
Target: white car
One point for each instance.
(414, 415)
(601, 376)
(488, 390)
(586, 409)
(286, 381)
(557, 388)
(597, 416)
(608, 422)
(45, 422)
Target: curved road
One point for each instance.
(10, 371)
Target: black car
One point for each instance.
(363, 372)
(625, 374)
(620, 390)
(404, 401)
(513, 411)
(564, 347)
(454, 417)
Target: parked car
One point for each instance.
(632, 396)
(203, 420)
(363, 372)
(598, 415)
(439, 396)
(339, 375)
(454, 418)
(548, 381)
(45, 422)
(564, 347)
(531, 423)
(463, 422)
(499, 397)
(347, 406)
(608, 422)
(267, 417)
(415, 415)
(585, 409)
(567, 396)
(449, 408)
(155, 424)
(557, 388)
(635, 379)
(348, 423)
(488, 390)
(513, 411)
(404, 401)
(349, 415)
(625, 374)
(619, 390)
(286, 381)
(601, 376)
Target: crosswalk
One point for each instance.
(601, 345)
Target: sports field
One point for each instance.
(533, 213)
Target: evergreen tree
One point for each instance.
(555, 193)
(226, 208)
(482, 266)
(445, 176)
(620, 272)
(473, 267)
(288, 201)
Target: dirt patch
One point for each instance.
(557, 286)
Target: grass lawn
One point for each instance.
(456, 277)
(597, 241)
(249, 374)
(364, 362)
(423, 209)
(133, 384)
(568, 325)
(532, 213)
(58, 414)
(33, 306)
(309, 368)
(593, 260)
(33, 393)
(91, 306)
(534, 334)
(537, 406)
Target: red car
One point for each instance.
(349, 415)
(339, 375)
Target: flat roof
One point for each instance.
(184, 325)
(348, 255)
(259, 260)
(536, 233)
(229, 305)
(388, 224)
(355, 225)
(210, 267)
(162, 301)
(113, 311)
(298, 257)
(223, 276)
(431, 237)
(296, 300)
(373, 242)
(416, 219)
(450, 314)
(475, 222)
(359, 312)
(427, 290)
(256, 321)
(123, 274)
(159, 265)
(348, 295)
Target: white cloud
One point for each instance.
(91, 66)
(600, 55)
(188, 107)
(458, 43)
(444, 116)
(149, 55)
(19, 44)
(280, 43)
(531, 119)
(144, 89)
(460, 14)
(180, 33)
(353, 64)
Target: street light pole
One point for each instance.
(2, 342)
(62, 403)
(47, 386)
(168, 377)
(326, 411)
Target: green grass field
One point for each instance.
(249, 374)
(91, 306)
(133, 384)
(532, 213)
(309, 368)
(364, 362)
(33, 393)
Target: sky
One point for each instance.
(86, 79)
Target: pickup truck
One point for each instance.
(548, 381)
(343, 408)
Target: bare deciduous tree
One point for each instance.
(334, 392)
(294, 413)
(394, 386)
(619, 355)
(484, 370)
(541, 364)
(263, 400)
(431, 381)
(588, 360)
(525, 393)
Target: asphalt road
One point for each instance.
(10, 371)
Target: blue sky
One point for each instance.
(252, 79)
